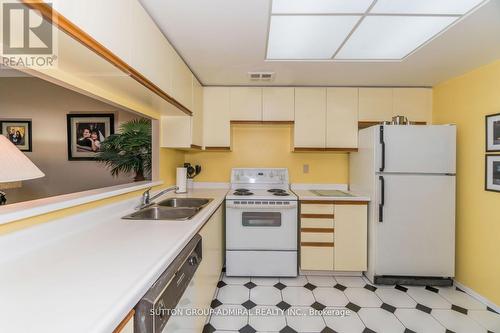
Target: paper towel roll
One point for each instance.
(181, 180)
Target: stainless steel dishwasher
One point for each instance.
(155, 307)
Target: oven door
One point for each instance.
(261, 227)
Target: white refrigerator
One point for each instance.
(409, 174)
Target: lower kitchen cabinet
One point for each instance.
(351, 241)
(316, 258)
(127, 324)
(333, 235)
(201, 289)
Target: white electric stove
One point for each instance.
(261, 224)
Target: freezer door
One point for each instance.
(415, 229)
(416, 149)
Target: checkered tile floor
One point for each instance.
(326, 304)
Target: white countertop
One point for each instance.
(308, 195)
(85, 272)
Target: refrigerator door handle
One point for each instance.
(382, 199)
(382, 142)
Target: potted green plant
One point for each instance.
(129, 150)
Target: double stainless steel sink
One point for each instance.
(177, 209)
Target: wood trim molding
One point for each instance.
(317, 202)
(334, 202)
(350, 202)
(262, 122)
(319, 230)
(317, 216)
(317, 244)
(86, 40)
(218, 148)
(312, 149)
(124, 322)
(368, 123)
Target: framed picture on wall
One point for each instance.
(86, 131)
(492, 182)
(493, 132)
(18, 132)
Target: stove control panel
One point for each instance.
(274, 204)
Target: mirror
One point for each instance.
(65, 134)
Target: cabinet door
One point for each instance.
(176, 132)
(246, 103)
(316, 258)
(375, 104)
(182, 82)
(216, 117)
(351, 237)
(414, 103)
(278, 104)
(342, 118)
(310, 117)
(197, 119)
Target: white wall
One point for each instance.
(46, 105)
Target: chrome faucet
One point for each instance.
(147, 198)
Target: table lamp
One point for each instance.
(14, 167)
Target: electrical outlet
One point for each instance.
(305, 168)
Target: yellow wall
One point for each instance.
(465, 101)
(269, 146)
(169, 160)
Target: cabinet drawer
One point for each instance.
(316, 223)
(321, 237)
(316, 258)
(306, 208)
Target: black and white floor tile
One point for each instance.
(326, 304)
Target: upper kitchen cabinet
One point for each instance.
(379, 104)
(414, 103)
(184, 131)
(182, 82)
(310, 117)
(278, 104)
(94, 17)
(342, 118)
(136, 44)
(197, 121)
(216, 118)
(375, 104)
(246, 103)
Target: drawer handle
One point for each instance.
(319, 230)
(316, 244)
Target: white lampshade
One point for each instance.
(14, 165)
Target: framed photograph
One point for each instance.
(18, 132)
(493, 132)
(492, 182)
(86, 131)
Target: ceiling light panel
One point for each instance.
(307, 37)
(320, 6)
(433, 7)
(391, 37)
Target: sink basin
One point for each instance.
(156, 212)
(184, 202)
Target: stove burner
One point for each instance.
(276, 190)
(242, 190)
(242, 193)
(281, 194)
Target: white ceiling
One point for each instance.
(223, 40)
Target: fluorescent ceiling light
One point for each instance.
(320, 6)
(307, 37)
(391, 37)
(450, 7)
